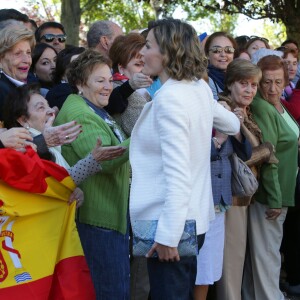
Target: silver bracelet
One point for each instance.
(218, 143)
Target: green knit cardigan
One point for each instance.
(277, 181)
(105, 193)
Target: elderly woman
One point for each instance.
(219, 48)
(210, 258)
(276, 183)
(16, 44)
(27, 108)
(167, 155)
(241, 84)
(126, 61)
(43, 65)
(102, 220)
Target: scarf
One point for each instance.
(119, 77)
(217, 75)
(103, 114)
(288, 91)
(55, 151)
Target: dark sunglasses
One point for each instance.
(218, 49)
(49, 37)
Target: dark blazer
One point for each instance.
(6, 86)
(58, 94)
(221, 167)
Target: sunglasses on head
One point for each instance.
(252, 37)
(255, 37)
(49, 37)
(284, 48)
(281, 48)
(218, 49)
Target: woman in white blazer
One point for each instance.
(170, 153)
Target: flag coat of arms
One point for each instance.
(41, 257)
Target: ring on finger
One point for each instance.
(67, 137)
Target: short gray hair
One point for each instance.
(98, 29)
(5, 23)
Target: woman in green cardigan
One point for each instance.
(276, 183)
(102, 221)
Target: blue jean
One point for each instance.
(107, 255)
(173, 280)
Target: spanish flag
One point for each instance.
(40, 252)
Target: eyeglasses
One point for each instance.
(218, 49)
(49, 37)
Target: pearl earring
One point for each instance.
(80, 93)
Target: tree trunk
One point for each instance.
(157, 7)
(292, 29)
(70, 18)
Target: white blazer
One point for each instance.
(170, 158)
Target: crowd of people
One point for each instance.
(146, 124)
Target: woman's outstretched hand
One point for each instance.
(62, 134)
(106, 153)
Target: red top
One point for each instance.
(293, 105)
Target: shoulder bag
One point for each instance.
(243, 181)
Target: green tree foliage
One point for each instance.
(287, 11)
(129, 14)
(222, 15)
(41, 11)
(276, 33)
(223, 22)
